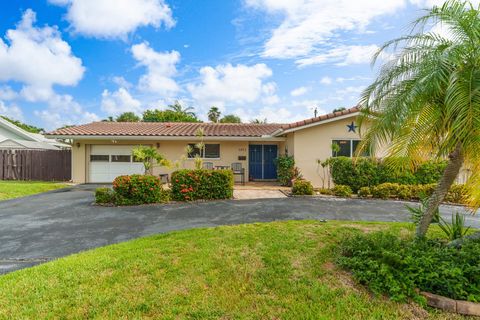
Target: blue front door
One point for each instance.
(255, 162)
(262, 161)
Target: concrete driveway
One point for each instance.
(39, 228)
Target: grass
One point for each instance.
(279, 270)
(16, 189)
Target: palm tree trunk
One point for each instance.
(450, 174)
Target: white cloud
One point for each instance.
(228, 84)
(272, 114)
(351, 89)
(161, 68)
(298, 91)
(11, 111)
(342, 56)
(121, 82)
(64, 110)
(326, 80)
(309, 27)
(115, 103)
(7, 93)
(309, 24)
(355, 78)
(431, 3)
(38, 58)
(115, 18)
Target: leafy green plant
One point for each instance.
(364, 192)
(104, 196)
(205, 184)
(285, 169)
(368, 172)
(302, 187)
(416, 212)
(342, 191)
(388, 264)
(458, 193)
(149, 156)
(456, 229)
(138, 189)
(325, 191)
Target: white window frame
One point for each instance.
(351, 145)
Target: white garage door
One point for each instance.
(109, 162)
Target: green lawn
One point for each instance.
(279, 270)
(15, 189)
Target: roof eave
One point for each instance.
(169, 138)
(345, 116)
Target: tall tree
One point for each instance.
(177, 107)
(259, 121)
(214, 114)
(128, 117)
(231, 118)
(168, 116)
(26, 127)
(426, 100)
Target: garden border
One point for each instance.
(457, 306)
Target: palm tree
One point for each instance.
(258, 121)
(177, 107)
(425, 101)
(214, 114)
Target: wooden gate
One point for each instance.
(44, 165)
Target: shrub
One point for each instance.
(430, 172)
(104, 195)
(458, 193)
(285, 169)
(385, 190)
(325, 191)
(137, 189)
(364, 173)
(364, 192)
(367, 172)
(388, 264)
(302, 187)
(342, 191)
(205, 184)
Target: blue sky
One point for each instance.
(76, 61)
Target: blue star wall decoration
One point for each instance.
(352, 127)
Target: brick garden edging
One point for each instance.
(447, 304)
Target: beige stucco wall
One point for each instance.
(314, 143)
(172, 150)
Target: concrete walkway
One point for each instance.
(43, 227)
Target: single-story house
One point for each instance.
(13, 137)
(102, 150)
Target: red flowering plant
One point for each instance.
(137, 189)
(205, 184)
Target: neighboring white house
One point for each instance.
(15, 138)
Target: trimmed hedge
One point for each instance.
(342, 191)
(398, 267)
(368, 172)
(457, 193)
(188, 185)
(302, 187)
(138, 189)
(104, 195)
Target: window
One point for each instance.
(211, 151)
(347, 148)
(120, 158)
(99, 158)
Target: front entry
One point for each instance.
(261, 163)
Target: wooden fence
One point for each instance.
(44, 165)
